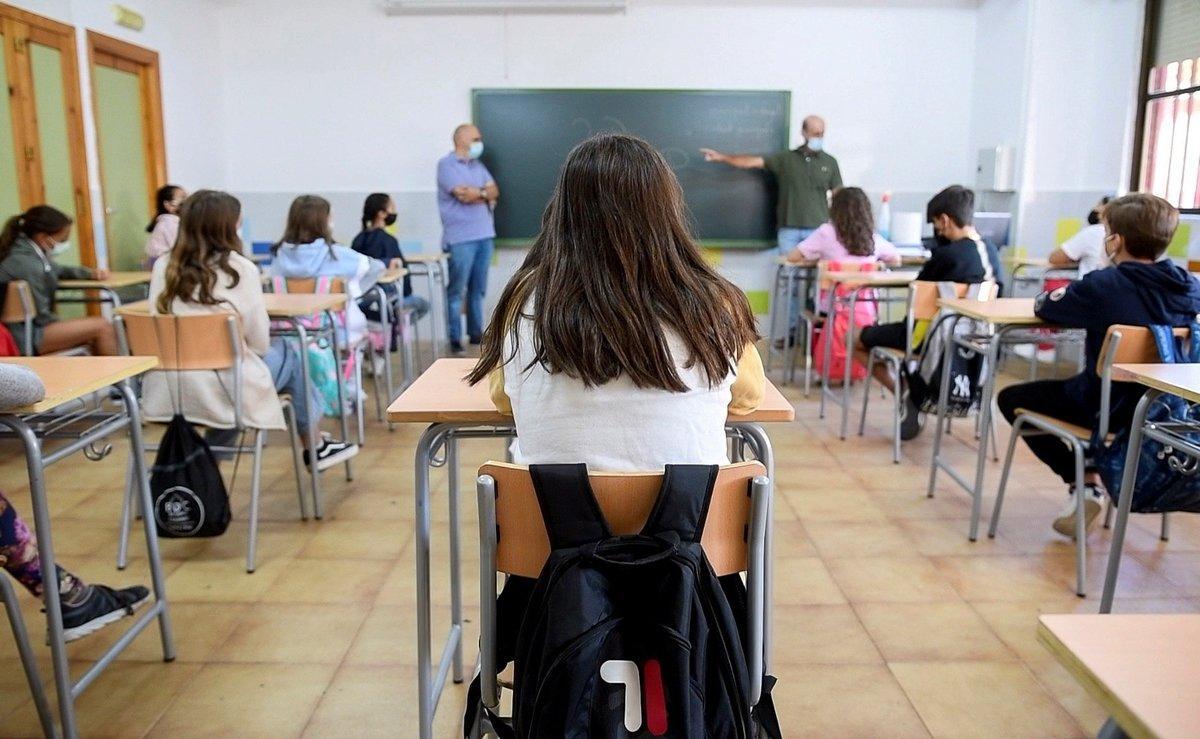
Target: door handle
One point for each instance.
(108, 210)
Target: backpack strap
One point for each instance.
(569, 508)
(682, 503)
(1164, 339)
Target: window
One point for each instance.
(1169, 104)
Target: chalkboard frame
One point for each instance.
(785, 143)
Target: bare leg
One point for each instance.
(880, 371)
(96, 333)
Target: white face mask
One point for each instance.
(60, 247)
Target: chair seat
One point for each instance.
(1082, 433)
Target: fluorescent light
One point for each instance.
(407, 7)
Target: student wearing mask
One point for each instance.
(28, 245)
(1086, 248)
(379, 212)
(1140, 289)
(616, 344)
(165, 226)
(207, 273)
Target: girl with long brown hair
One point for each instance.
(850, 234)
(206, 272)
(28, 245)
(616, 344)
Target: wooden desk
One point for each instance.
(440, 398)
(427, 258)
(433, 266)
(69, 378)
(1177, 379)
(1001, 311)
(440, 395)
(1143, 668)
(279, 305)
(115, 281)
(878, 278)
(391, 275)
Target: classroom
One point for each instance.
(600, 368)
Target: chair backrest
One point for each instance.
(1130, 345)
(210, 341)
(18, 303)
(825, 267)
(625, 498)
(331, 285)
(1194, 265)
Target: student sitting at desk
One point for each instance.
(1085, 248)
(960, 255)
(616, 344)
(307, 250)
(206, 273)
(379, 211)
(1141, 289)
(849, 236)
(165, 227)
(28, 244)
(85, 608)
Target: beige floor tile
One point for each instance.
(839, 504)
(199, 628)
(982, 699)
(1000, 578)
(246, 700)
(792, 540)
(930, 631)
(805, 581)
(328, 581)
(223, 580)
(829, 635)
(890, 580)
(852, 701)
(948, 537)
(858, 539)
(292, 632)
(376, 539)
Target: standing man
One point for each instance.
(806, 177)
(467, 195)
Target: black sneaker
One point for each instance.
(476, 340)
(99, 608)
(457, 349)
(331, 452)
(912, 421)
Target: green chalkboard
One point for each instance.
(528, 134)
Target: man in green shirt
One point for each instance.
(806, 176)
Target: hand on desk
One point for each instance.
(101, 273)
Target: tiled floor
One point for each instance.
(890, 622)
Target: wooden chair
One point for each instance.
(1123, 345)
(513, 541)
(210, 342)
(923, 299)
(18, 307)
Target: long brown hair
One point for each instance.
(208, 221)
(40, 219)
(307, 221)
(614, 265)
(850, 214)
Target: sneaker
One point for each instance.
(1065, 523)
(331, 452)
(476, 340)
(102, 606)
(456, 349)
(912, 420)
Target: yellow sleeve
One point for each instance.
(750, 385)
(496, 389)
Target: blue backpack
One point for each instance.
(1166, 479)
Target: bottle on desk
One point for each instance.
(884, 221)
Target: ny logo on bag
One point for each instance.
(625, 672)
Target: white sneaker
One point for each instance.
(1031, 353)
(1092, 505)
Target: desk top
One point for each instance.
(1016, 262)
(440, 395)
(114, 281)
(279, 305)
(803, 263)
(1178, 379)
(1141, 668)
(433, 256)
(68, 378)
(1007, 311)
(391, 275)
(873, 279)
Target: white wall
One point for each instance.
(184, 32)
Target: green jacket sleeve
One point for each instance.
(68, 272)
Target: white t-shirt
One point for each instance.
(617, 426)
(1087, 248)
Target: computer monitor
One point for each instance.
(994, 227)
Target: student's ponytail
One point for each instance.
(40, 219)
(374, 203)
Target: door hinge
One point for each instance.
(19, 45)
(30, 154)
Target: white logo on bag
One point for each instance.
(624, 672)
(179, 511)
(962, 385)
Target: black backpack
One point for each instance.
(626, 636)
(189, 494)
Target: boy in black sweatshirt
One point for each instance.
(1141, 289)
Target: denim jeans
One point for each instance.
(417, 304)
(786, 239)
(469, 263)
(283, 361)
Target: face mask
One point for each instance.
(390, 219)
(60, 247)
(816, 144)
(476, 150)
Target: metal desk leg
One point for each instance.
(773, 316)
(849, 363)
(827, 355)
(341, 391)
(766, 455)
(314, 432)
(455, 552)
(1125, 497)
(985, 429)
(943, 402)
(789, 326)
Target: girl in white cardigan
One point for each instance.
(206, 273)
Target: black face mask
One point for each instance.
(390, 219)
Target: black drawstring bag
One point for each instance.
(189, 495)
(190, 500)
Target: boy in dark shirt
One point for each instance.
(959, 255)
(1139, 290)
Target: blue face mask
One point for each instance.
(476, 150)
(816, 144)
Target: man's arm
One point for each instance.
(741, 161)
(835, 182)
(469, 194)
